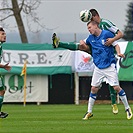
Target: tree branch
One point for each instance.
(21, 7)
(5, 9)
(6, 17)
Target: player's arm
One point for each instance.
(118, 36)
(117, 49)
(6, 66)
(84, 47)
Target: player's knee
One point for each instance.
(117, 88)
(94, 89)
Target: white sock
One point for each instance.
(123, 98)
(91, 102)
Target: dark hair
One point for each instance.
(93, 22)
(94, 12)
(1, 29)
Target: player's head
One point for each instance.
(2, 35)
(95, 15)
(93, 27)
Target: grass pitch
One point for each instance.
(63, 119)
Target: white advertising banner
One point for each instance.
(83, 63)
(36, 88)
(41, 59)
(37, 58)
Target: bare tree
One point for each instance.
(15, 8)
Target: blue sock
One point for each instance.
(122, 93)
(93, 96)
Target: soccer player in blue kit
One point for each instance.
(105, 63)
(105, 24)
(105, 66)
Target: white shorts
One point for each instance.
(109, 73)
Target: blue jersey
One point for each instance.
(103, 56)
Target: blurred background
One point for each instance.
(34, 22)
(38, 19)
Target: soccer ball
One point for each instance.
(85, 15)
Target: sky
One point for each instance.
(62, 16)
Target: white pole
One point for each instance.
(76, 88)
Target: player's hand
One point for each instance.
(82, 43)
(84, 47)
(121, 55)
(7, 67)
(109, 41)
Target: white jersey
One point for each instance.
(108, 25)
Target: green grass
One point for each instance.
(63, 119)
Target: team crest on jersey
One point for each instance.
(103, 42)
